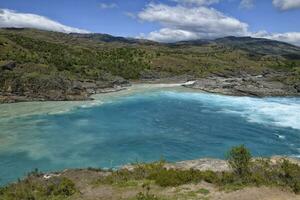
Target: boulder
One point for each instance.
(120, 81)
(9, 66)
(297, 87)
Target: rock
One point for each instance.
(8, 66)
(258, 86)
(120, 81)
(205, 164)
(88, 85)
(297, 87)
(211, 164)
(149, 75)
(19, 88)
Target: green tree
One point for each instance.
(239, 159)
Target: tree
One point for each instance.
(239, 159)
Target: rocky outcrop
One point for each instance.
(205, 164)
(23, 87)
(36, 83)
(259, 86)
(212, 164)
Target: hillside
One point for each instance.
(42, 65)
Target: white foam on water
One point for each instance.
(280, 136)
(281, 112)
(92, 104)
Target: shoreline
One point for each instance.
(202, 164)
(28, 108)
(249, 86)
(25, 108)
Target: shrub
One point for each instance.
(171, 177)
(34, 189)
(290, 175)
(146, 194)
(64, 187)
(239, 159)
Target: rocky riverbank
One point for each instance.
(248, 85)
(25, 87)
(21, 88)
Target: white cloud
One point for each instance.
(289, 37)
(185, 23)
(197, 2)
(171, 35)
(247, 4)
(108, 6)
(10, 18)
(182, 22)
(286, 4)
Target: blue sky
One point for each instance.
(161, 20)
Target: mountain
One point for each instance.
(261, 46)
(109, 38)
(43, 65)
(252, 45)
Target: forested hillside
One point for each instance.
(49, 61)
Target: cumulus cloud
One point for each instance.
(186, 23)
(182, 22)
(286, 4)
(197, 2)
(13, 19)
(171, 35)
(247, 4)
(108, 6)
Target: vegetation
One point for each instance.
(53, 66)
(91, 56)
(239, 159)
(30, 189)
(146, 195)
(246, 171)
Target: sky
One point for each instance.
(159, 20)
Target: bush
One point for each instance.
(173, 177)
(239, 159)
(146, 194)
(290, 175)
(64, 187)
(33, 189)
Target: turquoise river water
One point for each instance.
(144, 123)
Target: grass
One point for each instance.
(203, 191)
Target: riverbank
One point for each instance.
(256, 86)
(21, 109)
(262, 85)
(197, 179)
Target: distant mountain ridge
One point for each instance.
(233, 41)
(254, 45)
